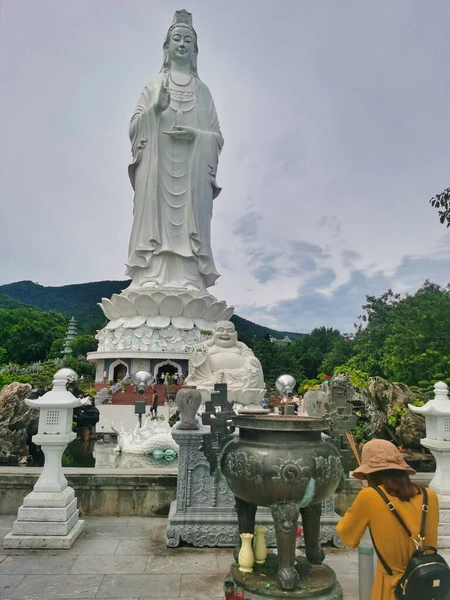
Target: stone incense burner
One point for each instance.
(282, 462)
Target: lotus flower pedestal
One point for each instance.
(153, 327)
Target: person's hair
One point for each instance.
(396, 483)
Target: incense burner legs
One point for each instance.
(285, 517)
(246, 520)
(311, 532)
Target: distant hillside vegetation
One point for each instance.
(7, 302)
(80, 301)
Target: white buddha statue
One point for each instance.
(223, 359)
(176, 141)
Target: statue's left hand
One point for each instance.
(254, 361)
(182, 132)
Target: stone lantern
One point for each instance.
(437, 423)
(48, 517)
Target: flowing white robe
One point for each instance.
(175, 184)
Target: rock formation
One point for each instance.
(387, 410)
(17, 423)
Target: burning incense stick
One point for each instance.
(352, 444)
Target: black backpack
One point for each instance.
(427, 575)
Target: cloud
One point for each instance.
(315, 305)
(312, 308)
(265, 273)
(349, 257)
(330, 155)
(247, 226)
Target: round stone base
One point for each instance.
(317, 582)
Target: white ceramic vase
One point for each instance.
(246, 558)
(259, 544)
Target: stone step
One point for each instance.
(49, 499)
(444, 528)
(46, 528)
(44, 542)
(444, 502)
(27, 513)
(443, 542)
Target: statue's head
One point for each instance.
(180, 45)
(225, 334)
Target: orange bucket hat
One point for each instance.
(380, 455)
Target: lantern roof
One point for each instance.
(58, 396)
(440, 405)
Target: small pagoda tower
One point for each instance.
(71, 333)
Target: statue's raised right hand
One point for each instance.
(163, 99)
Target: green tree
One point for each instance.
(405, 339)
(374, 326)
(57, 348)
(81, 367)
(339, 354)
(311, 349)
(418, 345)
(442, 203)
(82, 344)
(277, 360)
(27, 334)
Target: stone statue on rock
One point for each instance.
(176, 142)
(223, 359)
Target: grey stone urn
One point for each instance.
(188, 400)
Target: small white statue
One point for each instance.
(153, 436)
(223, 359)
(316, 403)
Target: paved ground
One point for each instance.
(127, 559)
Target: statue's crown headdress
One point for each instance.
(182, 17)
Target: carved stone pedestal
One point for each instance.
(204, 514)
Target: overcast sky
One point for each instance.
(336, 119)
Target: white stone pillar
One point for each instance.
(49, 515)
(437, 440)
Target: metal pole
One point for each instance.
(365, 567)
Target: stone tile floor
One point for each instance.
(127, 559)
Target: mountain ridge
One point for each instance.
(80, 301)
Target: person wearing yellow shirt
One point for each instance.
(382, 465)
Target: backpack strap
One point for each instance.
(387, 568)
(418, 543)
(421, 537)
(424, 513)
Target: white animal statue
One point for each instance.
(153, 437)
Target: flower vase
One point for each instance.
(259, 544)
(246, 558)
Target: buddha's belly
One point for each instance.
(226, 360)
